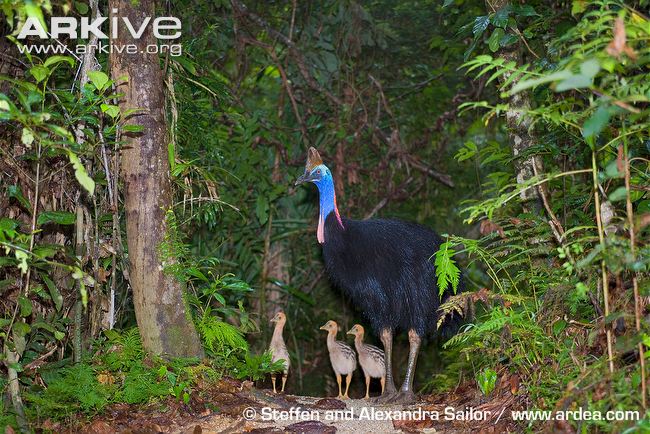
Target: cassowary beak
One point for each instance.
(305, 177)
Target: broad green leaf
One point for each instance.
(595, 124)
(262, 209)
(58, 217)
(22, 260)
(111, 110)
(57, 298)
(34, 11)
(55, 60)
(15, 192)
(524, 10)
(81, 7)
(480, 24)
(25, 306)
(81, 174)
(578, 7)
(523, 85)
(590, 68)
(619, 194)
(500, 17)
(27, 137)
(98, 79)
(39, 72)
(576, 81)
(4, 105)
(495, 38)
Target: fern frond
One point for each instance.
(446, 270)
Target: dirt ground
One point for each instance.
(235, 407)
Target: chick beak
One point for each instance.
(323, 327)
(350, 332)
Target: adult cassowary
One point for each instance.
(384, 266)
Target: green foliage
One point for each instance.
(69, 390)
(220, 336)
(486, 380)
(447, 273)
(255, 366)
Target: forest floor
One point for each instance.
(226, 406)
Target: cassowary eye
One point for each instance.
(318, 172)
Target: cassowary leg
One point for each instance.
(273, 381)
(284, 381)
(406, 394)
(389, 391)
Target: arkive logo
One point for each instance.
(163, 27)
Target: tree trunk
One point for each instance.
(518, 124)
(163, 317)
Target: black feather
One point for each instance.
(384, 266)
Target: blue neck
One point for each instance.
(327, 196)
(327, 203)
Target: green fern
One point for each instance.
(446, 270)
(219, 336)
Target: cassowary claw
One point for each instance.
(385, 398)
(403, 398)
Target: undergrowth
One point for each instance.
(121, 371)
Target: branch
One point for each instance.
(243, 11)
(440, 177)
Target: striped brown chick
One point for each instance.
(371, 359)
(342, 357)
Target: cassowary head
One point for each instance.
(356, 330)
(330, 326)
(315, 170)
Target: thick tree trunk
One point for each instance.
(160, 310)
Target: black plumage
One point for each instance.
(384, 266)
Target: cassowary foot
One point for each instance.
(403, 397)
(385, 398)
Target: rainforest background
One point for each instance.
(518, 130)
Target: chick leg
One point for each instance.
(284, 381)
(338, 380)
(406, 394)
(273, 381)
(383, 383)
(389, 391)
(367, 387)
(348, 379)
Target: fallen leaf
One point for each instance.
(488, 226)
(514, 384)
(619, 45)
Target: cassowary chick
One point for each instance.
(342, 357)
(278, 348)
(371, 359)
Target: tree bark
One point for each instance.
(518, 123)
(163, 317)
